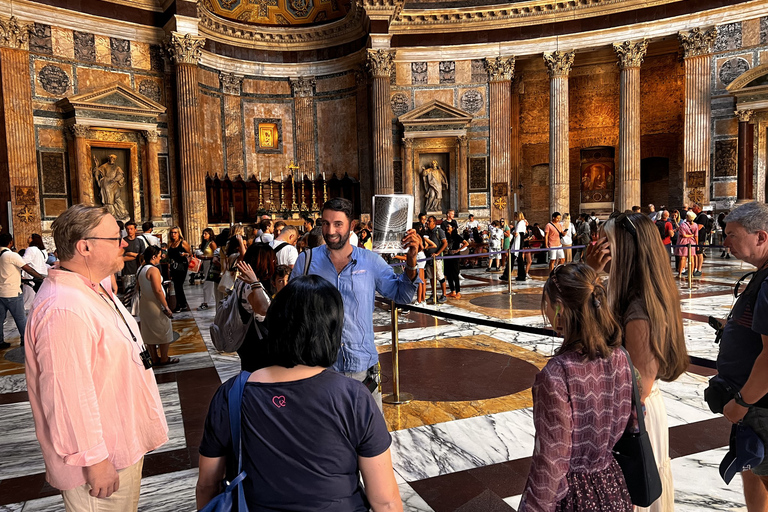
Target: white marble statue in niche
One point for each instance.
(110, 178)
(435, 181)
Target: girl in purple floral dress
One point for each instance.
(582, 401)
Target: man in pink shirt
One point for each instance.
(552, 234)
(95, 402)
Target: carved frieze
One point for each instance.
(726, 158)
(381, 62)
(732, 69)
(631, 54)
(500, 68)
(14, 34)
(728, 37)
(559, 63)
(697, 42)
(54, 79)
(184, 48)
(447, 70)
(230, 83)
(151, 90)
(40, 39)
(471, 101)
(303, 87)
(419, 73)
(400, 104)
(85, 46)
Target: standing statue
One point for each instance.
(434, 182)
(111, 179)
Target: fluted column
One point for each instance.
(516, 149)
(745, 183)
(461, 168)
(380, 64)
(500, 72)
(408, 167)
(303, 89)
(185, 52)
(559, 66)
(153, 177)
(233, 124)
(83, 165)
(628, 178)
(697, 45)
(21, 158)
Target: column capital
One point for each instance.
(499, 69)
(79, 130)
(230, 83)
(631, 54)
(14, 34)
(462, 140)
(184, 48)
(303, 87)
(408, 143)
(381, 62)
(559, 63)
(150, 135)
(744, 116)
(698, 41)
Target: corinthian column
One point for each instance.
(380, 64)
(19, 133)
(83, 165)
(500, 72)
(697, 45)
(153, 175)
(303, 89)
(185, 50)
(744, 185)
(408, 166)
(628, 178)
(559, 66)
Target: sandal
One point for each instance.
(171, 360)
(203, 307)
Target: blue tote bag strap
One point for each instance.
(235, 408)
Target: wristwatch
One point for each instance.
(740, 400)
(411, 268)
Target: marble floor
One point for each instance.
(465, 441)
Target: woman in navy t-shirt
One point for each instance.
(306, 430)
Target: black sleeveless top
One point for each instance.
(174, 254)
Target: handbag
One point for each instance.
(224, 502)
(227, 282)
(194, 264)
(634, 454)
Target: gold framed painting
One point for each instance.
(268, 138)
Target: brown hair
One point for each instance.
(588, 324)
(73, 225)
(639, 273)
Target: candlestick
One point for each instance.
(325, 192)
(314, 197)
(261, 204)
(282, 197)
(303, 196)
(294, 206)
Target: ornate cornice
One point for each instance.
(184, 48)
(559, 63)
(381, 62)
(500, 68)
(150, 135)
(303, 87)
(698, 41)
(744, 116)
(631, 54)
(79, 130)
(14, 34)
(347, 29)
(230, 83)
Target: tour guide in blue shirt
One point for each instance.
(358, 274)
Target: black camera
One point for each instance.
(717, 325)
(146, 359)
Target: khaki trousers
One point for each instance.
(126, 499)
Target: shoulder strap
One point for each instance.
(235, 406)
(635, 393)
(280, 247)
(307, 262)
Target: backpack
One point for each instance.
(228, 329)
(280, 247)
(661, 226)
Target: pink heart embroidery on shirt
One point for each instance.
(279, 401)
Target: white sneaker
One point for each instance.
(461, 278)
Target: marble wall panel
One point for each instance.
(337, 136)
(397, 171)
(726, 157)
(403, 73)
(156, 61)
(53, 172)
(140, 58)
(534, 108)
(85, 46)
(447, 70)
(750, 32)
(268, 87)
(233, 135)
(478, 74)
(463, 71)
(54, 206)
(51, 138)
(162, 166)
(276, 163)
(731, 67)
(210, 117)
(209, 78)
(728, 37)
(103, 49)
(764, 30)
(40, 39)
(63, 43)
(473, 101)
(727, 126)
(419, 73)
(478, 146)
(662, 95)
(151, 87)
(478, 199)
(89, 79)
(433, 73)
(763, 58)
(725, 188)
(121, 52)
(478, 175)
(426, 95)
(52, 80)
(337, 83)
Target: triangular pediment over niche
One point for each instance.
(115, 98)
(435, 112)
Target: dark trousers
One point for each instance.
(178, 277)
(452, 274)
(16, 306)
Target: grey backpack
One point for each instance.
(228, 330)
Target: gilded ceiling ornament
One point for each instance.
(500, 68)
(184, 48)
(230, 83)
(698, 42)
(79, 130)
(14, 34)
(744, 116)
(381, 62)
(631, 54)
(303, 87)
(559, 63)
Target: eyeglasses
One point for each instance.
(553, 276)
(114, 239)
(627, 224)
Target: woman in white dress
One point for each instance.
(521, 228)
(37, 257)
(156, 327)
(567, 238)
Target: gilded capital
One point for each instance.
(184, 48)
(150, 135)
(381, 62)
(408, 143)
(559, 63)
(697, 42)
(303, 87)
(230, 83)
(631, 54)
(79, 130)
(744, 116)
(500, 68)
(14, 34)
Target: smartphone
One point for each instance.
(715, 323)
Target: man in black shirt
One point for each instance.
(134, 249)
(437, 235)
(703, 222)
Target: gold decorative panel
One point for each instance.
(478, 200)
(279, 12)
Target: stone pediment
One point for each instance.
(435, 115)
(115, 105)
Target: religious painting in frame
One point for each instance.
(269, 135)
(597, 174)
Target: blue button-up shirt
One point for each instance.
(365, 274)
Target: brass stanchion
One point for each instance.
(434, 280)
(690, 266)
(396, 397)
(509, 274)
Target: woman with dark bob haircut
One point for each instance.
(306, 430)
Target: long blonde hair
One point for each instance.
(566, 220)
(639, 272)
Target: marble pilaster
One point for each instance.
(21, 158)
(231, 86)
(153, 177)
(408, 166)
(185, 51)
(83, 165)
(516, 150)
(303, 91)
(500, 72)
(697, 46)
(744, 173)
(628, 176)
(363, 137)
(559, 66)
(381, 65)
(462, 168)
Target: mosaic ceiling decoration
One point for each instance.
(279, 12)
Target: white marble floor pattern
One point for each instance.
(419, 452)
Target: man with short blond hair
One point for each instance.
(93, 394)
(285, 246)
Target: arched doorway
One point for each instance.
(654, 181)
